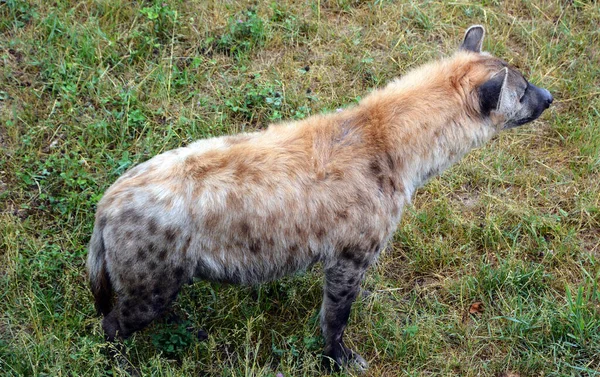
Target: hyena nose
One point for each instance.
(547, 97)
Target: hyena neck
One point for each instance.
(426, 127)
(429, 153)
(438, 155)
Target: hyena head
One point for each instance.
(506, 97)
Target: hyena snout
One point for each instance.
(541, 99)
(545, 97)
(531, 105)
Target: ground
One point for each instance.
(493, 271)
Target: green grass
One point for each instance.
(90, 88)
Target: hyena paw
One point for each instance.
(343, 357)
(357, 363)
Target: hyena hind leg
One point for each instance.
(137, 307)
(342, 285)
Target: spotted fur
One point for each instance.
(331, 188)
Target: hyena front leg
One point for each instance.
(342, 284)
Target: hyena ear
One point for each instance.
(493, 93)
(473, 39)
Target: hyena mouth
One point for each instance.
(521, 122)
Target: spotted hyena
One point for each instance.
(254, 207)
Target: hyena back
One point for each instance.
(254, 207)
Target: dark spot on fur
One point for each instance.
(348, 253)
(255, 246)
(290, 260)
(351, 281)
(344, 293)
(353, 254)
(178, 272)
(152, 265)
(245, 229)
(375, 168)
(152, 226)
(186, 245)
(245, 172)
(211, 221)
(135, 290)
(157, 290)
(145, 296)
(141, 254)
(170, 235)
(162, 255)
(126, 313)
(143, 308)
(320, 233)
(333, 297)
(300, 230)
(342, 215)
(131, 216)
(333, 279)
(102, 222)
(390, 161)
(386, 185)
(293, 248)
(142, 276)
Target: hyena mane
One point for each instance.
(331, 188)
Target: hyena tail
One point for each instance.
(99, 278)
